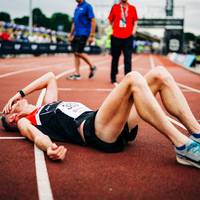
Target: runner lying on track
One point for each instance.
(114, 124)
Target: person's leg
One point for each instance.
(114, 112)
(127, 51)
(77, 63)
(81, 55)
(75, 49)
(93, 68)
(115, 53)
(85, 58)
(161, 81)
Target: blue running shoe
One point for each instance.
(189, 154)
(195, 137)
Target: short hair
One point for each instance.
(8, 126)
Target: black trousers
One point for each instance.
(119, 45)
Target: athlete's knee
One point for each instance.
(51, 76)
(162, 75)
(136, 80)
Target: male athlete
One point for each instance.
(116, 121)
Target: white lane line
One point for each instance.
(189, 88)
(34, 69)
(28, 70)
(176, 122)
(43, 183)
(12, 138)
(86, 89)
(186, 90)
(152, 64)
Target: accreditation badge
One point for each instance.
(122, 23)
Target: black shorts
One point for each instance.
(78, 44)
(93, 141)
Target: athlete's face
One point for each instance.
(18, 106)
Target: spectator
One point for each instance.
(123, 18)
(83, 29)
(5, 36)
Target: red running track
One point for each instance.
(146, 169)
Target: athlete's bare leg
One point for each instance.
(114, 112)
(161, 81)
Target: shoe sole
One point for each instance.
(186, 162)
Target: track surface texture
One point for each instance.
(147, 169)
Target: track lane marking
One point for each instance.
(35, 69)
(12, 138)
(43, 183)
(87, 89)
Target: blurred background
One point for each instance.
(168, 27)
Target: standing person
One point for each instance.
(123, 18)
(82, 30)
(114, 124)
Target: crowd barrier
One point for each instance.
(188, 60)
(16, 48)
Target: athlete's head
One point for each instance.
(9, 120)
(8, 124)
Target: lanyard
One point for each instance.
(124, 12)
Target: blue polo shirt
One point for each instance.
(82, 19)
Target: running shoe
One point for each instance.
(74, 77)
(195, 137)
(92, 72)
(189, 154)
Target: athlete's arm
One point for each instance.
(47, 81)
(41, 140)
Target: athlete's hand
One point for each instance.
(55, 152)
(7, 108)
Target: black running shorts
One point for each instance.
(93, 141)
(78, 44)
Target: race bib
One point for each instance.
(72, 109)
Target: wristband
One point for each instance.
(21, 93)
